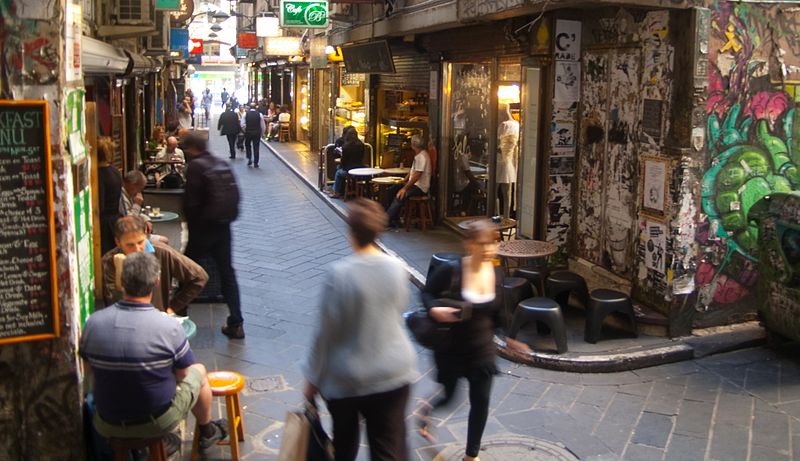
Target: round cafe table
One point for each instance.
(383, 184)
(164, 216)
(525, 249)
(365, 175)
(189, 327)
(397, 171)
(505, 224)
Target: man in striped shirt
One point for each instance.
(145, 377)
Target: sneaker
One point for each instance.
(249, 162)
(233, 332)
(173, 443)
(255, 166)
(220, 432)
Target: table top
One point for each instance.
(400, 171)
(526, 249)
(504, 224)
(164, 216)
(365, 171)
(189, 327)
(164, 162)
(388, 180)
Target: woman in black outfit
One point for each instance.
(109, 181)
(352, 157)
(474, 285)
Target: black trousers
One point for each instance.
(480, 392)
(252, 143)
(232, 144)
(215, 241)
(386, 427)
(394, 209)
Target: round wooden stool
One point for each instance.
(418, 210)
(121, 447)
(226, 384)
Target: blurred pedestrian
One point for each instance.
(361, 360)
(253, 126)
(109, 182)
(210, 204)
(228, 125)
(224, 96)
(470, 351)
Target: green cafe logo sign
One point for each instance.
(305, 14)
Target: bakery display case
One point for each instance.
(394, 141)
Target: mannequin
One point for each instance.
(507, 143)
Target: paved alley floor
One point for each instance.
(743, 405)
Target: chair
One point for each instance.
(515, 289)
(541, 310)
(350, 187)
(603, 302)
(536, 275)
(418, 211)
(121, 447)
(367, 160)
(283, 132)
(226, 384)
(561, 283)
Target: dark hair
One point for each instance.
(350, 135)
(140, 274)
(367, 220)
(128, 224)
(480, 227)
(194, 140)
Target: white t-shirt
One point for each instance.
(284, 117)
(422, 163)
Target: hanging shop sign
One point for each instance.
(195, 46)
(28, 276)
(268, 26)
(168, 5)
(304, 14)
(282, 46)
(247, 40)
(179, 41)
(368, 58)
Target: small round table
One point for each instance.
(364, 174)
(384, 183)
(525, 249)
(164, 216)
(505, 224)
(189, 327)
(397, 171)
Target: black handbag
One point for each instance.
(426, 331)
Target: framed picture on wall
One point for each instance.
(654, 186)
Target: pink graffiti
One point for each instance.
(767, 105)
(728, 290)
(717, 101)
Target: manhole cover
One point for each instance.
(266, 384)
(512, 448)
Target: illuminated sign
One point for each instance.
(282, 46)
(304, 14)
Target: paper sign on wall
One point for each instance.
(655, 246)
(568, 40)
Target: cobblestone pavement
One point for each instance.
(743, 405)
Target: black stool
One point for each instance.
(560, 284)
(543, 310)
(603, 302)
(437, 259)
(536, 275)
(515, 289)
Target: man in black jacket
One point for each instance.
(253, 125)
(228, 125)
(210, 236)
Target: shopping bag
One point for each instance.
(304, 438)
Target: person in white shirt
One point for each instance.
(131, 201)
(418, 181)
(171, 151)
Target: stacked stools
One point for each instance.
(515, 289)
(536, 275)
(226, 384)
(121, 447)
(418, 211)
(603, 302)
(561, 284)
(541, 310)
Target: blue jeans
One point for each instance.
(338, 181)
(394, 209)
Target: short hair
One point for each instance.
(128, 224)
(194, 140)
(105, 149)
(366, 219)
(480, 227)
(140, 274)
(135, 177)
(416, 141)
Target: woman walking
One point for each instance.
(474, 284)
(361, 360)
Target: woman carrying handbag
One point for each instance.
(474, 285)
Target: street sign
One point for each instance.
(304, 14)
(179, 41)
(195, 46)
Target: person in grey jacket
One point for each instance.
(361, 360)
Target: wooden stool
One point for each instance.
(225, 384)
(418, 210)
(283, 132)
(350, 188)
(121, 447)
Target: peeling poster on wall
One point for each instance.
(563, 136)
(568, 77)
(655, 246)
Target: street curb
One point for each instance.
(414, 275)
(568, 362)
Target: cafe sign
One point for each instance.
(304, 14)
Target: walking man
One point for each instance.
(253, 127)
(224, 96)
(211, 203)
(228, 125)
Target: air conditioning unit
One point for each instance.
(159, 43)
(134, 12)
(340, 11)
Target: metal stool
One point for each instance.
(560, 284)
(543, 310)
(515, 289)
(225, 384)
(121, 447)
(418, 210)
(603, 302)
(536, 275)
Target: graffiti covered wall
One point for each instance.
(753, 143)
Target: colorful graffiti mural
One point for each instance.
(753, 139)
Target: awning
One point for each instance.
(140, 64)
(101, 58)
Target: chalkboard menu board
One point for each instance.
(368, 58)
(28, 295)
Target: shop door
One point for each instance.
(605, 224)
(528, 195)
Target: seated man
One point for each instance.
(145, 377)
(417, 182)
(129, 234)
(131, 201)
(170, 152)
